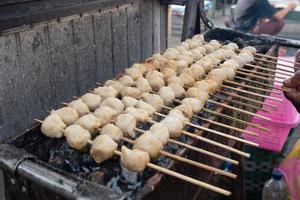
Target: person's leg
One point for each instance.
(271, 27)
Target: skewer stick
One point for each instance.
(252, 93)
(191, 162)
(251, 87)
(257, 82)
(193, 135)
(277, 58)
(236, 120)
(204, 152)
(276, 63)
(219, 124)
(270, 70)
(277, 68)
(248, 99)
(226, 126)
(279, 76)
(196, 149)
(240, 110)
(215, 132)
(181, 176)
(184, 178)
(259, 77)
(241, 103)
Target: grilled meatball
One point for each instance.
(146, 106)
(168, 72)
(215, 43)
(177, 89)
(179, 115)
(115, 84)
(155, 82)
(143, 85)
(196, 104)
(105, 114)
(114, 103)
(177, 80)
(147, 142)
(187, 79)
(134, 160)
(77, 137)
(93, 101)
(187, 110)
(80, 107)
(129, 102)
(103, 148)
(67, 114)
(140, 66)
(126, 80)
(174, 125)
(112, 131)
(53, 126)
(127, 124)
(131, 92)
(161, 132)
(139, 114)
(89, 122)
(153, 99)
(167, 94)
(134, 73)
(108, 91)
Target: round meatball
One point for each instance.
(80, 107)
(105, 114)
(53, 126)
(114, 103)
(134, 160)
(77, 137)
(134, 73)
(143, 85)
(93, 101)
(112, 131)
(174, 125)
(67, 114)
(107, 91)
(167, 94)
(89, 122)
(103, 148)
(161, 132)
(126, 80)
(127, 124)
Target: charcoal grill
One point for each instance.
(37, 167)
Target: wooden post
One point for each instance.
(189, 20)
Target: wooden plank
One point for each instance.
(189, 20)
(119, 33)
(147, 29)
(134, 33)
(83, 42)
(62, 61)
(13, 116)
(164, 27)
(103, 42)
(37, 74)
(156, 26)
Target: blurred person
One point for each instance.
(293, 85)
(260, 17)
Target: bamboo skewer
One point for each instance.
(215, 132)
(259, 77)
(197, 149)
(226, 126)
(240, 110)
(279, 76)
(276, 68)
(276, 63)
(182, 177)
(242, 103)
(251, 87)
(198, 137)
(248, 99)
(218, 123)
(252, 93)
(277, 58)
(270, 70)
(257, 82)
(191, 162)
(235, 119)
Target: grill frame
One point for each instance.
(158, 186)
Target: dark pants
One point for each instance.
(271, 27)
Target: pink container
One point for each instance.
(283, 119)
